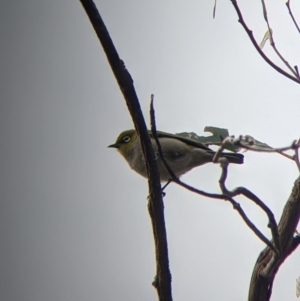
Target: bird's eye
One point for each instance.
(126, 139)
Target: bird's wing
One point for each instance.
(173, 149)
(188, 141)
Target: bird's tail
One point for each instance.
(234, 158)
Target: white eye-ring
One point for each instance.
(126, 139)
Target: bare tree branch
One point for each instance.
(268, 262)
(257, 232)
(247, 193)
(227, 195)
(272, 222)
(292, 16)
(246, 143)
(273, 42)
(173, 177)
(250, 34)
(284, 240)
(163, 275)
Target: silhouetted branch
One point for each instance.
(251, 196)
(272, 222)
(173, 177)
(226, 194)
(272, 42)
(257, 232)
(155, 206)
(283, 241)
(268, 262)
(248, 143)
(250, 34)
(292, 16)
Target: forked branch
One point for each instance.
(226, 195)
(275, 244)
(249, 143)
(259, 50)
(268, 262)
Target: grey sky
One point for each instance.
(73, 217)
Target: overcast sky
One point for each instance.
(73, 217)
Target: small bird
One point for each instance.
(182, 154)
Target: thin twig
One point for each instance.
(223, 177)
(200, 192)
(250, 34)
(215, 8)
(285, 155)
(218, 153)
(251, 196)
(257, 232)
(153, 129)
(296, 157)
(226, 194)
(257, 201)
(273, 42)
(272, 222)
(284, 60)
(251, 146)
(249, 143)
(292, 16)
(267, 150)
(297, 71)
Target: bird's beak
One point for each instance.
(115, 145)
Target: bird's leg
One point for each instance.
(163, 188)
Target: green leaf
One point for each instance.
(218, 135)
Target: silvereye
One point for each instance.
(182, 154)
